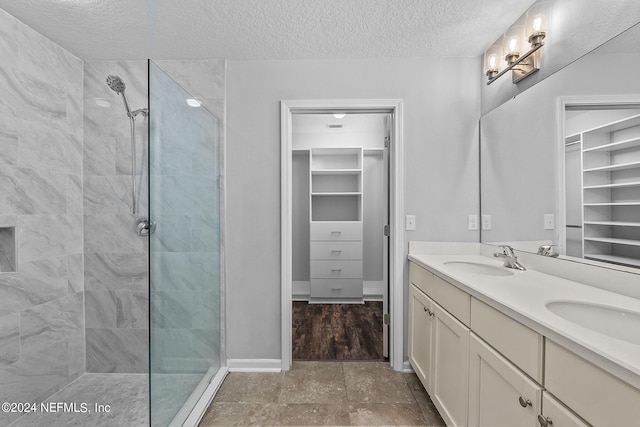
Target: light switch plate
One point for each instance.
(410, 222)
(486, 222)
(473, 222)
(549, 221)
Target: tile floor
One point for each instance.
(323, 393)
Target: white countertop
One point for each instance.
(524, 295)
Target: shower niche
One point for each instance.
(8, 250)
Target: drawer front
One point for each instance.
(452, 299)
(558, 414)
(336, 250)
(336, 288)
(421, 278)
(597, 396)
(515, 341)
(336, 269)
(336, 231)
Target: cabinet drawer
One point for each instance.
(452, 299)
(599, 397)
(336, 288)
(321, 269)
(336, 250)
(336, 231)
(421, 278)
(558, 415)
(515, 341)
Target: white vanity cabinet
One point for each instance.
(500, 395)
(439, 343)
(555, 414)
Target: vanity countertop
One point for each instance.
(524, 295)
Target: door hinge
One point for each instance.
(385, 319)
(220, 181)
(386, 230)
(387, 141)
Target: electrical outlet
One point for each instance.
(549, 221)
(410, 222)
(473, 222)
(486, 222)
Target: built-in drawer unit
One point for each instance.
(336, 288)
(555, 414)
(336, 250)
(516, 342)
(452, 299)
(333, 230)
(421, 278)
(330, 269)
(600, 398)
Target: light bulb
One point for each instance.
(537, 23)
(339, 115)
(492, 62)
(513, 45)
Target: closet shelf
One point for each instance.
(614, 223)
(336, 171)
(618, 167)
(614, 259)
(627, 242)
(620, 145)
(337, 193)
(613, 204)
(620, 185)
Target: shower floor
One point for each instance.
(126, 395)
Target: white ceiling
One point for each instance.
(268, 29)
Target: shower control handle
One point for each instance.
(144, 226)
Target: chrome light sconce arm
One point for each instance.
(521, 65)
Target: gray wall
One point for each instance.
(576, 28)
(441, 108)
(116, 266)
(41, 306)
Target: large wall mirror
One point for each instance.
(560, 163)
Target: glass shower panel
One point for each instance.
(185, 268)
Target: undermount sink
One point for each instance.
(607, 320)
(479, 268)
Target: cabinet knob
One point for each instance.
(544, 421)
(524, 402)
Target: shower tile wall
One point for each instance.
(41, 304)
(116, 259)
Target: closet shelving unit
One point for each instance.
(336, 225)
(611, 191)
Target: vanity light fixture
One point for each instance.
(192, 102)
(515, 41)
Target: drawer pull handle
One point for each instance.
(336, 232)
(336, 269)
(429, 312)
(544, 422)
(524, 402)
(335, 251)
(336, 289)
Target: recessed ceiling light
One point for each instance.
(102, 102)
(339, 115)
(192, 102)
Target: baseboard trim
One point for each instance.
(254, 365)
(407, 368)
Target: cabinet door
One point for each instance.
(500, 395)
(450, 377)
(554, 414)
(420, 327)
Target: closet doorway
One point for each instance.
(338, 216)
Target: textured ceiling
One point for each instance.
(268, 29)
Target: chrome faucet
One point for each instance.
(509, 257)
(547, 250)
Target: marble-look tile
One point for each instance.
(7, 249)
(192, 344)
(113, 232)
(116, 271)
(107, 194)
(99, 155)
(313, 414)
(205, 235)
(34, 377)
(74, 194)
(105, 350)
(168, 393)
(173, 234)
(9, 339)
(171, 309)
(184, 271)
(48, 236)
(376, 382)
(429, 412)
(206, 310)
(132, 309)
(52, 322)
(9, 147)
(77, 356)
(31, 191)
(123, 162)
(126, 394)
(317, 382)
(249, 387)
(385, 414)
(100, 309)
(75, 272)
(46, 147)
(241, 414)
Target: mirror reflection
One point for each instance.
(560, 163)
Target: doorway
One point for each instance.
(369, 140)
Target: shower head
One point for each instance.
(116, 84)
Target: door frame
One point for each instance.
(396, 262)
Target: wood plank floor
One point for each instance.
(337, 331)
